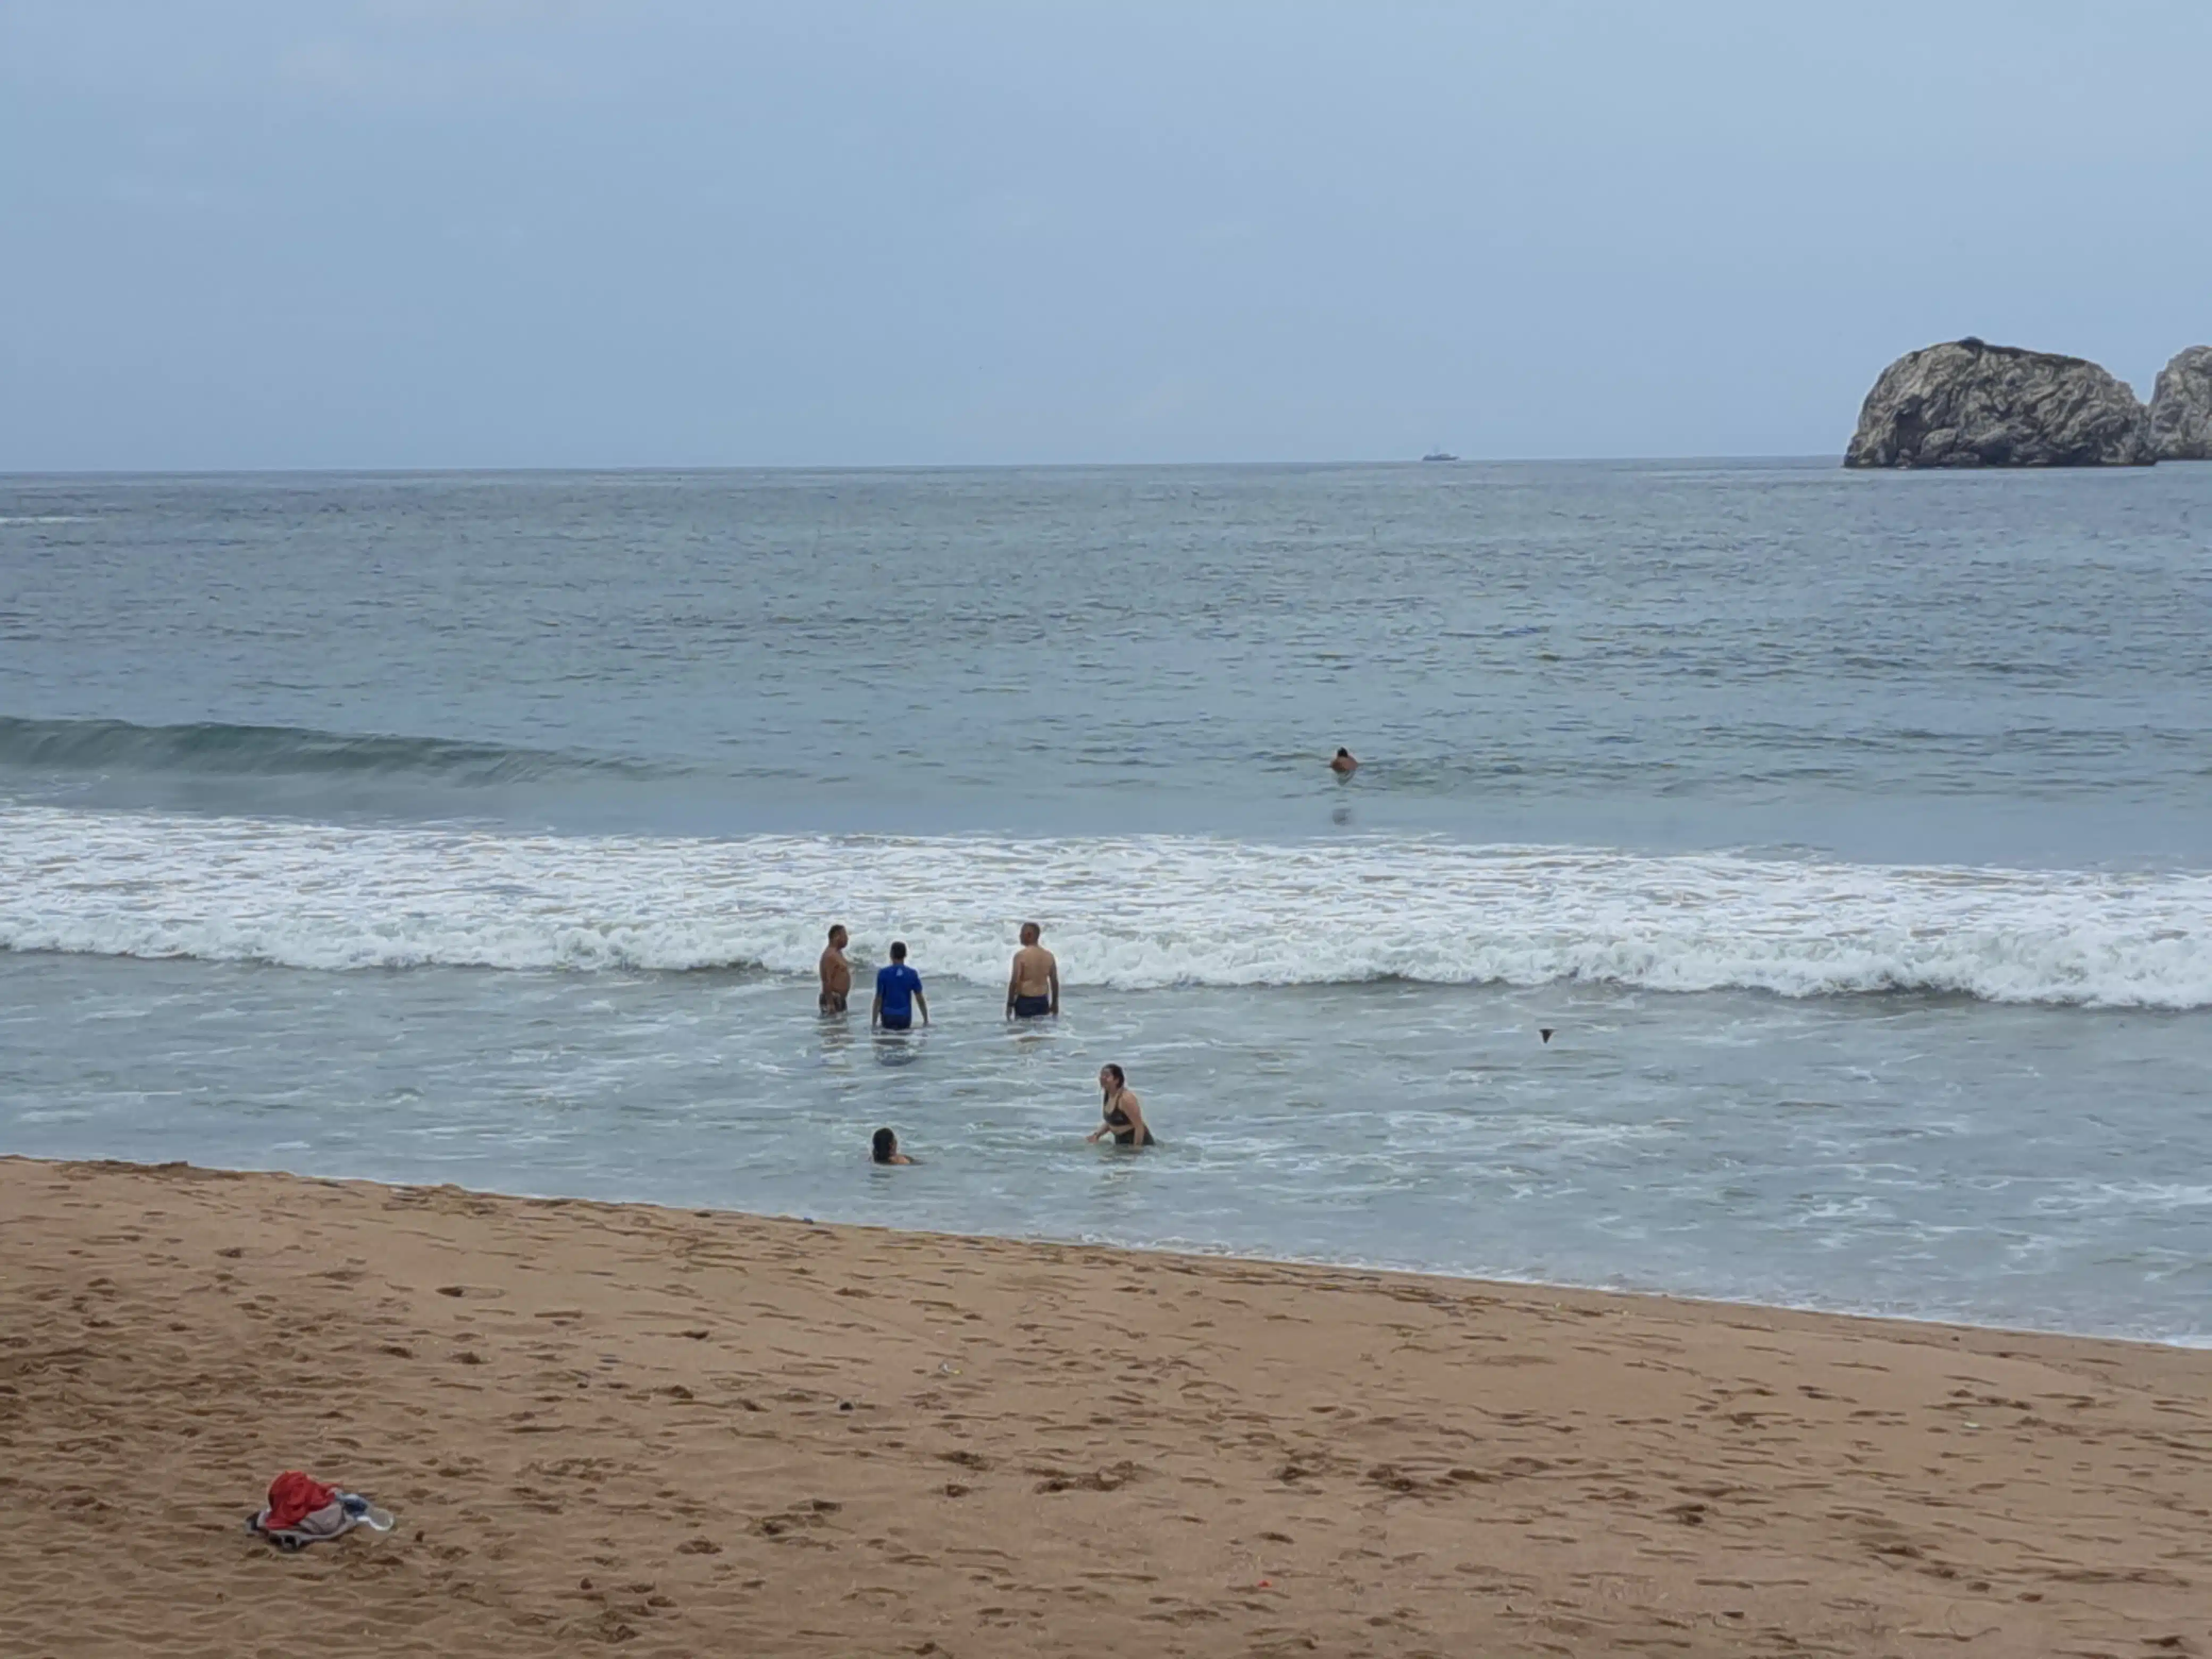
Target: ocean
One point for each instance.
(1852, 834)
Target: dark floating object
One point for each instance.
(1439, 455)
(1544, 1031)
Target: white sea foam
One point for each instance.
(1133, 911)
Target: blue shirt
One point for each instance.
(896, 985)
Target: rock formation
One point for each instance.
(1969, 404)
(2181, 408)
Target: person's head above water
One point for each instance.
(838, 935)
(885, 1147)
(1344, 761)
(898, 950)
(1031, 933)
(1121, 1112)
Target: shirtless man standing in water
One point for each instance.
(1033, 988)
(836, 973)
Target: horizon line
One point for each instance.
(665, 468)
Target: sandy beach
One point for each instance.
(697, 1432)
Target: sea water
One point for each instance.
(1848, 834)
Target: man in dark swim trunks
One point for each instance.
(1033, 988)
(836, 973)
(898, 992)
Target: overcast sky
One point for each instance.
(470, 233)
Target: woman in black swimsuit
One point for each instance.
(1123, 1112)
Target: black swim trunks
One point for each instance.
(1030, 1007)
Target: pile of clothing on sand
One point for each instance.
(302, 1511)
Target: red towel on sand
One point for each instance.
(293, 1498)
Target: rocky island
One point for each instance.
(2181, 407)
(1971, 403)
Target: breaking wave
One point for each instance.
(1137, 911)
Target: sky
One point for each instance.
(259, 233)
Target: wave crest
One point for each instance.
(216, 748)
(1134, 912)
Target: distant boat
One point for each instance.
(1439, 455)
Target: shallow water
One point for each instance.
(1850, 832)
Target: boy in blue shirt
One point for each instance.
(898, 990)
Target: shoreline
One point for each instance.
(679, 1430)
(2196, 1343)
(1191, 1256)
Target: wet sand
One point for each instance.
(690, 1433)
